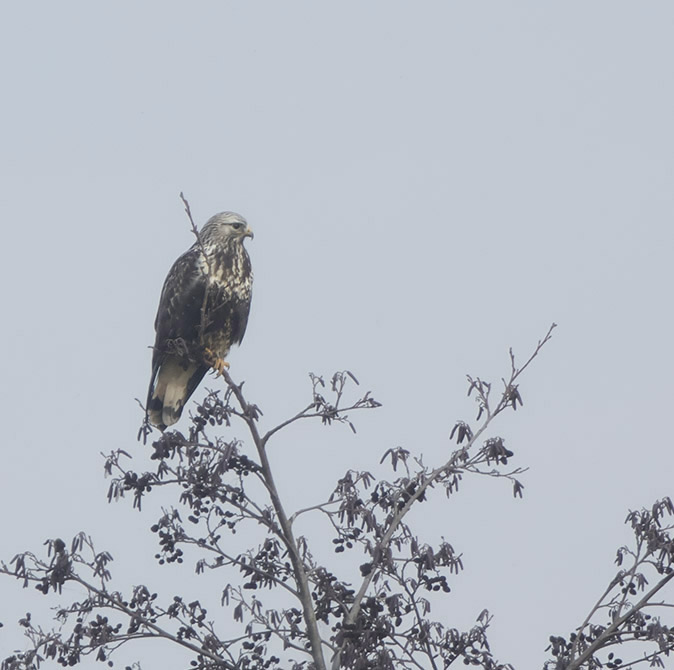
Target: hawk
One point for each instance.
(203, 311)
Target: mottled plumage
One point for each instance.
(195, 331)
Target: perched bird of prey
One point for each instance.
(203, 311)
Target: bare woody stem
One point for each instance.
(287, 536)
(116, 604)
(428, 481)
(286, 527)
(577, 663)
(395, 523)
(594, 609)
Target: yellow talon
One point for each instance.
(217, 363)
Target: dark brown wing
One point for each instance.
(181, 302)
(179, 313)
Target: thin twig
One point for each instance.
(204, 305)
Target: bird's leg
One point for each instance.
(215, 362)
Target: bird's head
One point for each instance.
(225, 227)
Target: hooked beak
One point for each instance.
(249, 233)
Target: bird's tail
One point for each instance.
(173, 385)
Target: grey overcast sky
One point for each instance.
(429, 184)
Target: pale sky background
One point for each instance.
(429, 183)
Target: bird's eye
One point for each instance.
(237, 225)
